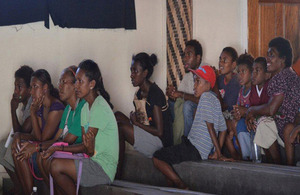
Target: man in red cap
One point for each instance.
(202, 142)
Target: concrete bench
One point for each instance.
(218, 177)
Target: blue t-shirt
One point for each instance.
(208, 110)
(230, 91)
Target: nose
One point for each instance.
(131, 75)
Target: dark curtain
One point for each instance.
(70, 13)
(14, 12)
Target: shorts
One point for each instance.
(267, 133)
(145, 142)
(185, 151)
(92, 173)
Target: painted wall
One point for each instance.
(58, 48)
(217, 24)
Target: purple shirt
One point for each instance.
(55, 106)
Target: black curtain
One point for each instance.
(70, 13)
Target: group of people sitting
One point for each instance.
(70, 137)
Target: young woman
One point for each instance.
(100, 141)
(46, 111)
(69, 128)
(22, 96)
(149, 127)
(284, 102)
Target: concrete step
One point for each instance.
(218, 177)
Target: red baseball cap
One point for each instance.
(207, 73)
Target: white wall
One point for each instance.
(58, 48)
(218, 24)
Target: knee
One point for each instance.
(55, 167)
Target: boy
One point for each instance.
(203, 135)
(186, 103)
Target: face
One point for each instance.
(226, 65)
(66, 87)
(83, 86)
(244, 74)
(200, 86)
(274, 62)
(21, 92)
(190, 59)
(37, 88)
(259, 76)
(138, 75)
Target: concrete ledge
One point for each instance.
(218, 177)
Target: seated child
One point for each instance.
(203, 135)
(258, 96)
(227, 85)
(244, 63)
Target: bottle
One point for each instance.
(34, 190)
(255, 149)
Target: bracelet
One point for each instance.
(41, 148)
(36, 147)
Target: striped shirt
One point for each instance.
(208, 110)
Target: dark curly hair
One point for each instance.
(25, 73)
(284, 49)
(246, 59)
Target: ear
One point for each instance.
(145, 73)
(233, 65)
(199, 59)
(45, 88)
(283, 60)
(92, 84)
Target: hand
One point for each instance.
(15, 147)
(133, 118)
(27, 149)
(46, 154)
(250, 122)
(36, 104)
(169, 90)
(14, 102)
(89, 142)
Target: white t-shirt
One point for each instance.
(187, 83)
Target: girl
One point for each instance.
(227, 88)
(46, 111)
(100, 142)
(69, 128)
(284, 102)
(149, 127)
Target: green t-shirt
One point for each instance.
(73, 124)
(107, 139)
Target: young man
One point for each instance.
(203, 135)
(22, 124)
(186, 103)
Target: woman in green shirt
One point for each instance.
(100, 136)
(69, 128)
